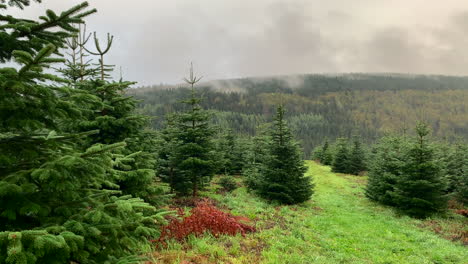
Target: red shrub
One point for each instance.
(205, 217)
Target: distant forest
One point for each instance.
(326, 106)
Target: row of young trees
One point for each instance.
(416, 175)
(80, 174)
(191, 156)
(342, 157)
(413, 174)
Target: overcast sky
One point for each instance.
(156, 39)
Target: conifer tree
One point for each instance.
(317, 154)
(341, 160)
(282, 176)
(326, 155)
(420, 190)
(113, 113)
(385, 168)
(194, 152)
(58, 203)
(357, 158)
(456, 172)
(167, 168)
(256, 156)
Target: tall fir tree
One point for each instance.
(282, 176)
(114, 115)
(420, 191)
(194, 149)
(357, 158)
(341, 160)
(58, 203)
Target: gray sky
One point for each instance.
(156, 39)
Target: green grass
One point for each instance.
(339, 225)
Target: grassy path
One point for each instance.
(339, 225)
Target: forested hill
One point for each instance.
(320, 106)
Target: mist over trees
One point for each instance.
(94, 170)
(319, 106)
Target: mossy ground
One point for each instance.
(339, 225)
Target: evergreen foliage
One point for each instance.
(357, 158)
(326, 157)
(420, 189)
(230, 153)
(385, 168)
(456, 171)
(282, 175)
(60, 195)
(228, 183)
(327, 106)
(192, 155)
(256, 156)
(407, 174)
(341, 160)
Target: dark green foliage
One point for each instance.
(60, 198)
(317, 154)
(357, 158)
(408, 175)
(456, 171)
(31, 36)
(385, 168)
(228, 183)
(327, 106)
(230, 153)
(420, 190)
(189, 161)
(256, 156)
(282, 174)
(326, 157)
(341, 161)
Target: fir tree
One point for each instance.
(230, 153)
(317, 154)
(357, 158)
(341, 160)
(58, 201)
(282, 176)
(167, 168)
(385, 168)
(326, 155)
(456, 172)
(256, 157)
(420, 190)
(194, 156)
(113, 113)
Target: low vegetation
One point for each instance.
(339, 225)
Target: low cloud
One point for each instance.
(156, 40)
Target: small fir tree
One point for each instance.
(194, 155)
(456, 172)
(326, 155)
(357, 159)
(385, 168)
(420, 190)
(341, 162)
(282, 176)
(256, 156)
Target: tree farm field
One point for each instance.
(338, 225)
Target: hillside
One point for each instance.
(339, 225)
(320, 106)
